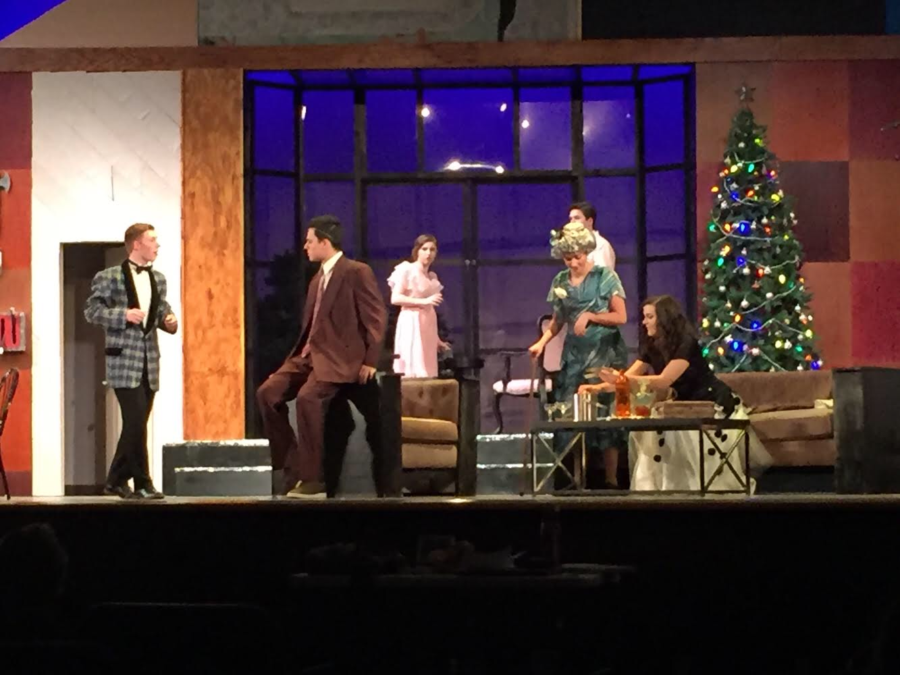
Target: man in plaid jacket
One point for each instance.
(129, 303)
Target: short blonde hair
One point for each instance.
(572, 238)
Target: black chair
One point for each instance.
(8, 384)
(548, 366)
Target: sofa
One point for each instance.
(792, 415)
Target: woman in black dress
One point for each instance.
(670, 358)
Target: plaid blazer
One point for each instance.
(127, 344)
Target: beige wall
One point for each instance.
(112, 23)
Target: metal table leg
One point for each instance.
(725, 459)
(747, 477)
(702, 462)
(577, 437)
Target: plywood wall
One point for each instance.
(213, 236)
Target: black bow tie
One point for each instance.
(138, 268)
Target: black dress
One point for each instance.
(697, 383)
(670, 460)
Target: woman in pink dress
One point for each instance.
(417, 291)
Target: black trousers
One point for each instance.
(131, 459)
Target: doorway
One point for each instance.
(92, 420)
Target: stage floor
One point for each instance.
(600, 500)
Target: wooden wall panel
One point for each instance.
(388, 54)
(832, 309)
(874, 212)
(717, 103)
(820, 191)
(811, 105)
(875, 297)
(213, 254)
(874, 104)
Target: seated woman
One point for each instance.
(671, 461)
(590, 301)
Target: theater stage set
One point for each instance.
(793, 577)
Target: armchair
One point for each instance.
(548, 365)
(438, 426)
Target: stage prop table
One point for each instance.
(709, 433)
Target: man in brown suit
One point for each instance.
(343, 327)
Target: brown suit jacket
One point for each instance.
(351, 324)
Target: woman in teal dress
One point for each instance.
(589, 302)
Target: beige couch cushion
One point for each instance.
(809, 452)
(789, 425)
(422, 430)
(765, 392)
(430, 398)
(430, 456)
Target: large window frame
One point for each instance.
(471, 260)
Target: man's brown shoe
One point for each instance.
(307, 490)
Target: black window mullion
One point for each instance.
(420, 122)
(517, 123)
(300, 216)
(251, 425)
(298, 171)
(690, 205)
(470, 266)
(360, 168)
(640, 191)
(280, 173)
(577, 98)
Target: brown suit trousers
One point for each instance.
(347, 335)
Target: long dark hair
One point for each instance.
(420, 241)
(671, 326)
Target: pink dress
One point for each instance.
(416, 339)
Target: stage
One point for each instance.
(591, 500)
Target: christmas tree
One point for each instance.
(755, 302)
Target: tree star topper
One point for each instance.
(745, 93)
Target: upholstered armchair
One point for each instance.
(438, 425)
(548, 365)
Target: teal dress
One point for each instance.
(599, 347)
